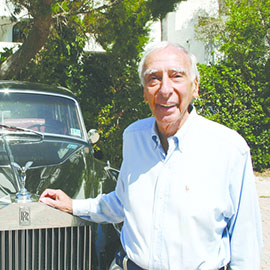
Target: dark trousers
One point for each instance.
(123, 261)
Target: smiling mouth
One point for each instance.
(167, 105)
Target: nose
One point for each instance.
(166, 87)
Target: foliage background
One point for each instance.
(234, 91)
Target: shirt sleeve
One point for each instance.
(245, 225)
(105, 208)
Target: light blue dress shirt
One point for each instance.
(195, 207)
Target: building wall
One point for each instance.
(6, 25)
(179, 26)
(5, 31)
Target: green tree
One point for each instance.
(235, 91)
(123, 32)
(107, 83)
(84, 15)
(45, 16)
(225, 97)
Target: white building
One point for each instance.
(9, 34)
(177, 27)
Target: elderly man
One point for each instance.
(185, 191)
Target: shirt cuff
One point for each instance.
(81, 207)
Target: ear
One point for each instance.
(196, 88)
(145, 98)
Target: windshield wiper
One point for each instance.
(22, 129)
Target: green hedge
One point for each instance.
(227, 99)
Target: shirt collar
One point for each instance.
(154, 135)
(179, 135)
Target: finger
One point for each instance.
(48, 201)
(49, 193)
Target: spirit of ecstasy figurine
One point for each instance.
(23, 195)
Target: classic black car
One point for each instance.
(43, 141)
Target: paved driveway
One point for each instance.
(263, 190)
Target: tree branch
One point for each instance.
(84, 10)
(41, 12)
(33, 43)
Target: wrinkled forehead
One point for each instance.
(165, 59)
(179, 69)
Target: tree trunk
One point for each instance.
(31, 46)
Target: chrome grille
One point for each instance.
(46, 249)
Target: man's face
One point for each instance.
(168, 87)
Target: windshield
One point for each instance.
(53, 152)
(40, 112)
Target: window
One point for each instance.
(19, 31)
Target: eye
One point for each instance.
(177, 75)
(152, 79)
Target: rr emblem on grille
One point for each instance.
(24, 216)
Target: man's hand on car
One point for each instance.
(57, 199)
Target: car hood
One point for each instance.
(49, 151)
(56, 162)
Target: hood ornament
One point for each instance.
(23, 195)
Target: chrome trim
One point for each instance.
(125, 261)
(53, 241)
(46, 248)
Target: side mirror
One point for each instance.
(93, 135)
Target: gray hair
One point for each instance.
(194, 73)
